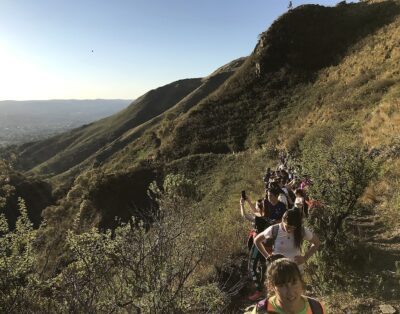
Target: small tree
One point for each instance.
(140, 269)
(340, 172)
(6, 189)
(18, 279)
(136, 269)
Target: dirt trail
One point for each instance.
(383, 244)
(384, 251)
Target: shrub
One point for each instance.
(6, 189)
(18, 279)
(135, 268)
(178, 186)
(340, 172)
(139, 268)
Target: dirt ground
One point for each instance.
(384, 251)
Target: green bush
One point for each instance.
(6, 189)
(340, 172)
(18, 277)
(135, 268)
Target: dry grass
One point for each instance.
(383, 124)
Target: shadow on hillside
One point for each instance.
(311, 37)
(119, 197)
(382, 269)
(36, 194)
(383, 258)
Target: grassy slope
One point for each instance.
(298, 60)
(310, 76)
(355, 75)
(284, 104)
(64, 151)
(355, 88)
(343, 72)
(305, 74)
(65, 156)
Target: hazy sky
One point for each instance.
(122, 48)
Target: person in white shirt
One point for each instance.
(289, 238)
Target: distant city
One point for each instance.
(27, 121)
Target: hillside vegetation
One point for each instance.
(316, 73)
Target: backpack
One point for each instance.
(292, 196)
(315, 306)
(261, 223)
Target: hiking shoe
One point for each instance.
(257, 295)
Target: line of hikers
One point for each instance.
(275, 243)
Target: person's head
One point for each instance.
(274, 184)
(285, 281)
(299, 193)
(299, 202)
(273, 194)
(284, 181)
(260, 206)
(292, 222)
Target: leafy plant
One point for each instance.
(18, 278)
(340, 172)
(134, 268)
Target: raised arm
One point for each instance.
(252, 207)
(249, 217)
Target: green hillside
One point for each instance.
(306, 71)
(317, 72)
(65, 151)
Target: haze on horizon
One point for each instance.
(120, 50)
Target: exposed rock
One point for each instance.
(387, 309)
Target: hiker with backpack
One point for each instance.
(279, 198)
(287, 237)
(300, 203)
(260, 221)
(273, 211)
(286, 287)
(257, 216)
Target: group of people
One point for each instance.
(275, 243)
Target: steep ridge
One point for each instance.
(249, 110)
(295, 89)
(96, 142)
(298, 78)
(160, 126)
(64, 151)
(223, 113)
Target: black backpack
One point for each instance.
(315, 305)
(261, 223)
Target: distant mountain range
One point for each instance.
(31, 120)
